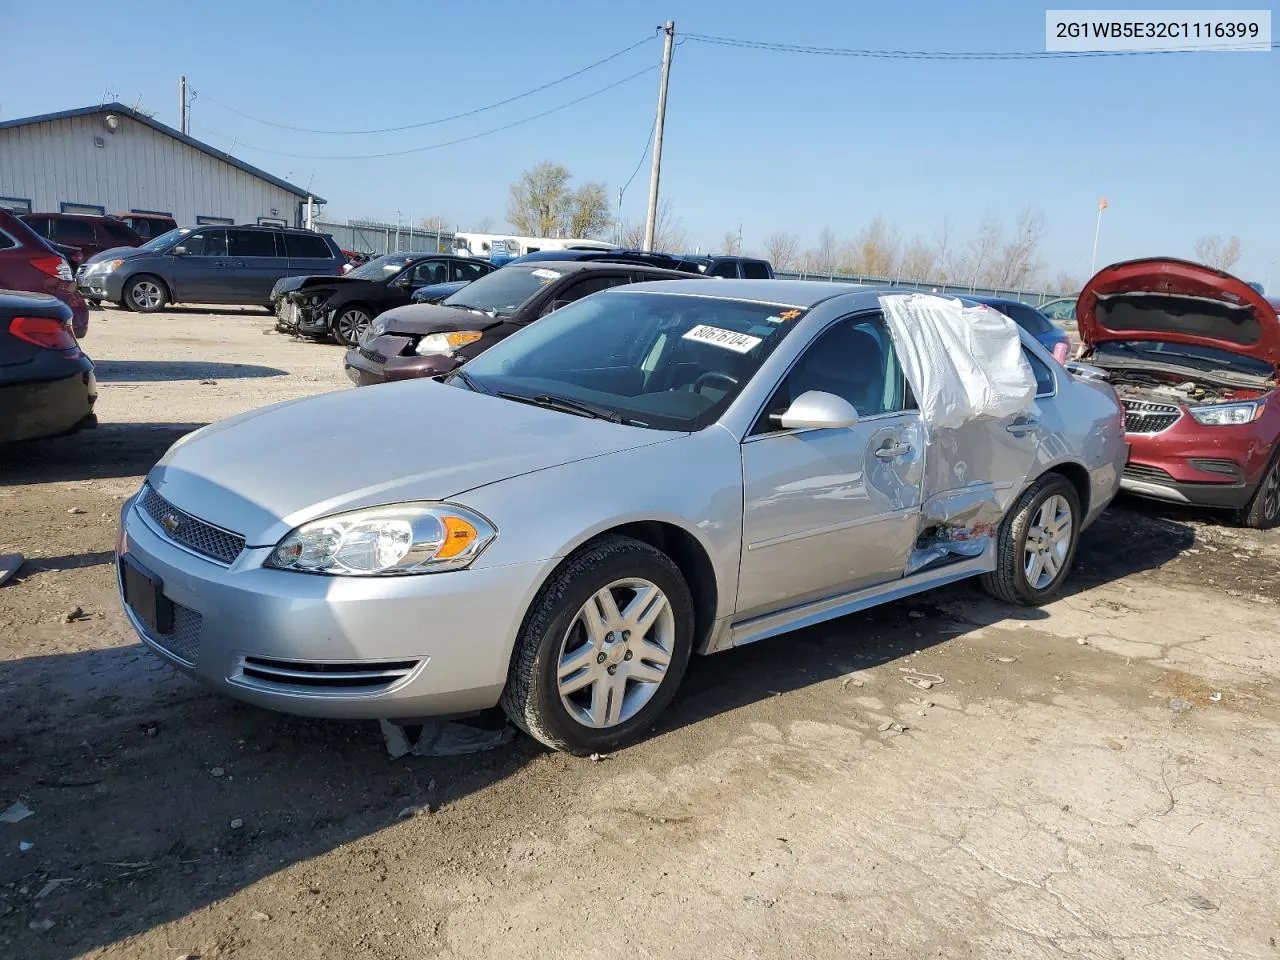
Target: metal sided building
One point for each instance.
(112, 159)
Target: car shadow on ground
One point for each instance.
(195, 797)
(109, 450)
(212, 310)
(152, 371)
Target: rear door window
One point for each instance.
(594, 284)
(726, 268)
(119, 233)
(1028, 318)
(428, 272)
(1046, 385)
(74, 232)
(755, 270)
(301, 245)
(468, 271)
(251, 243)
(40, 225)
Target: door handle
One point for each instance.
(892, 450)
(1023, 425)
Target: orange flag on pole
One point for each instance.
(1102, 203)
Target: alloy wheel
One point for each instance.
(1271, 492)
(616, 652)
(1048, 542)
(146, 295)
(351, 324)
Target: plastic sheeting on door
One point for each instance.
(963, 363)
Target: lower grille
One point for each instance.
(192, 532)
(1226, 468)
(1139, 471)
(184, 642)
(373, 356)
(363, 676)
(1142, 416)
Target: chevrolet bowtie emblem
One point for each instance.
(170, 523)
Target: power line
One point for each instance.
(640, 162)
(431, 123)
(445, 143)
(938, 54)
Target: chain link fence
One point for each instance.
(376, 238)
(1034, 297)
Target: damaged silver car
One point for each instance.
(654, 471)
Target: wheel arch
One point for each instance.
(1077, 474)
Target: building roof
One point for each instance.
(120, 108)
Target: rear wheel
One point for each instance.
(145, 294)
(603, 648)
(349, 324)
(1263, 510)
(1036, 543)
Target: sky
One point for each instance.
(1181, 145)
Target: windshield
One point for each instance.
(166, 238)
(1205, 358)
(668, 361)
(380, 268)
(504, 291)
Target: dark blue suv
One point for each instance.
(207, 264)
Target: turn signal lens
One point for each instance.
(459, 534)
(446, 343)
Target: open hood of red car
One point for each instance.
(1179, 302)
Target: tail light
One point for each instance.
(1062, 351)
(53, 265)
(45, 332)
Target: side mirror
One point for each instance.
(179, 251)
(815, 410)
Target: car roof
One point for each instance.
(598, 266)
(789, 293)
(993, 301)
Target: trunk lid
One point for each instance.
(1177, 301)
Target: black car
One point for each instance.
(745, 268)
(343, 306)
(47, 385)
(651, 258)
(428, 340)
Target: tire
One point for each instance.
(1263, 509)
(561, 679)
(1017, 579)
(349, 323)
(145, 294)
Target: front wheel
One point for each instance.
(145, 294)
(349, 324)
(1263, 510)
(1036, 543)
(603, 648)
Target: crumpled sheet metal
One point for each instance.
(958, 523)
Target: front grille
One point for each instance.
(192, 532)
(184, 642)
(1140, 471)
(362, 676)
(373, 356)
(1142, 416)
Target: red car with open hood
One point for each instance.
(1194, 354)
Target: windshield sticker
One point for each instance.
(789, 314)
(772, 319)
(737, 342)
(542, 274)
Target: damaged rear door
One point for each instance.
(826, 511)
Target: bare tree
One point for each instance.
(781, 249)
(732, 243)
(1213, 251)
(981, 252)
(919, 261)
(874, 253)
(483, 225)
(946, 253)
(1017, 263)
(822, 258)
(668, 231)
(1066, 283)
(435, 224)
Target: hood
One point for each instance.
(264, 472)
(289, 284)
(435, 292)
(1179, 302)
(118, 253)
(416, 319)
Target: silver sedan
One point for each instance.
(654, 471)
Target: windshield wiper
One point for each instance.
(472, 384)
(566, 405)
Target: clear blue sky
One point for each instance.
(1181, 145)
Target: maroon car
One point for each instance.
(431, 339)
(90, 234)
(147, 226)
(1194, 354)
(28, 262)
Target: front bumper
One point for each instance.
(100, 286)
(1218, 467)
(340, 647)
(379, 361)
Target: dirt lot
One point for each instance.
(1097, 779)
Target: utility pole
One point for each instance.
(182, 94)
(651, 221)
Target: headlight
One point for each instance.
(386, 541)
(445, 342)
(317, 298)
(1227, 414)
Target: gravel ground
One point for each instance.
(1097, 779)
